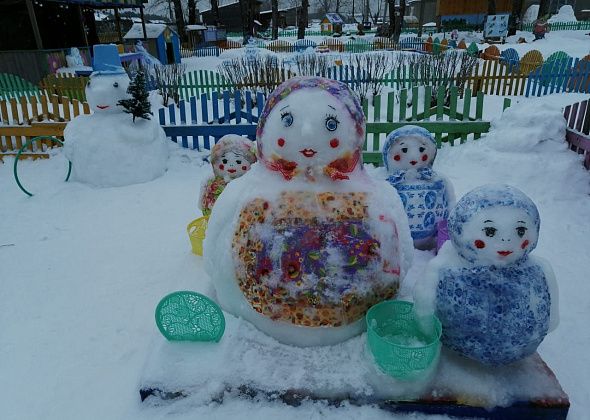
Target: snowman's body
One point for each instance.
(495, 302)
(305, 242)
(408, 154)
(107, 148)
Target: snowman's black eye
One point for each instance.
(490, 231)
(521, 230)
(116, 84)
(405, 149)
(239, 162)
(224, 161)
(422, 149)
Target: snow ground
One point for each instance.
(82, 270)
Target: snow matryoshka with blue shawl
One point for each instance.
(496, 303)
(408, 155)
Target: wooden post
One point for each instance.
(118, 25)
(421, 18)
(143, 23)
(81, 17)
(33, 19)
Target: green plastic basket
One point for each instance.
(189, 316)
(397, 345)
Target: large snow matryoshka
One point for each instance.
(408, 155)
(305, 242)
(231, 157)
(495, 302)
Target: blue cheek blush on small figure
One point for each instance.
(496, 303)
(408, 154)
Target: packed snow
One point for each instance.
(565, 14)
(78, 315)
(83, 269)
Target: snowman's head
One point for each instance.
(104, 91)
(311, 126)
(494, 225)
(232, 156)
(409, 147)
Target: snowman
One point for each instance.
(107, 148)
(305, 242)
(496, 303)
(231, 157)
(408, 154)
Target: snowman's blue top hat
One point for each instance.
(106, 60)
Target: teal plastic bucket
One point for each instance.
(398, 346)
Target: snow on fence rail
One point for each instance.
(199, 122)
(578, 129)
(25, 118)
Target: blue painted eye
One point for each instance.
(331, 123)
(287, 119)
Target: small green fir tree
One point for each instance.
(138, 105)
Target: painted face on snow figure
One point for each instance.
(494, 225)
(411, 152)
(232, 157)
(311, 126)
(104, 91)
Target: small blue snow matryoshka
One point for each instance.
(408, 155)
(495, 302)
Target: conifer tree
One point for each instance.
(138, 105)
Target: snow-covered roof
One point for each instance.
(334, 18)
(195, 27)
(153, 30)
(429, 24)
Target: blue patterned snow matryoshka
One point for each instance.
(408, 155)
(495, 302)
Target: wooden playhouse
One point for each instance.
(162, 42)
(331, 24)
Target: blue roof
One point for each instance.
(334, 18)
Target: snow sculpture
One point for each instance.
(408, 154)
(107, 148)
(495, 302)
(305, 242)
(74, 59)
(231, 158)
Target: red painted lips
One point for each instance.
(231, 171)
(413, 162)
(504, 253)
(308, 152)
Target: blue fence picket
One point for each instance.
(182, 108)
(172, 115)
(205, 120)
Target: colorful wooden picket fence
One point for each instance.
(65, 84)
(578, 129)
(24, 118)
(13, 86)
(199, 122)
(562, 26)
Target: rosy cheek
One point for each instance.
(244, 168)
(524, 244)
(424, 158)
(397, 158)
(221, 167)
(479, 244)
(281, 142)
(334, 143)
